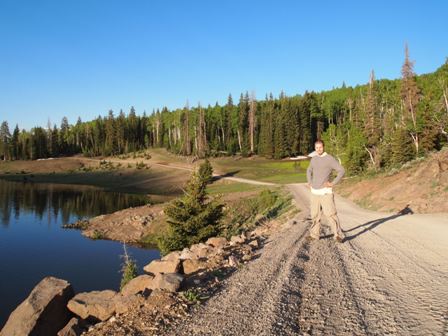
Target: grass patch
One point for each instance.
(193, 296)
(247, 213)
(227, 187)
(97, 235)
(434, 184)
(275, 171)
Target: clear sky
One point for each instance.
(83, 57)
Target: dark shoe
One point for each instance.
(339, 239)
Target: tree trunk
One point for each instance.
(239, 140)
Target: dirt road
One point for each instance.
(390, 277)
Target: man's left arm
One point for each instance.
(339, 169)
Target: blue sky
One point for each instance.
(84, 57)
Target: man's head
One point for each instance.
(319, 147)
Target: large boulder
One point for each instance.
(125, 303)
(43, 312)
(201, 250)
(186, 254)
(218, 242)
(137, 285)
(193, 265)
(162, 266)
(172, 256)
(96, 305)
(237, 240)
(167, 281)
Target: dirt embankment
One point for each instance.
(421, 186)
(128, 225)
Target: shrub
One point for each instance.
(194, 217)
(128, 268)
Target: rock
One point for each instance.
(125, 303)
(245, 249)
(74, 327)
(173, 256)
(186, 254)
(201, 250)
(193, 265)
(218, 242)
(138, 285)
(43, 312)
(237, 240)
(233, 261)
(167, 281)
(162, 266)
(254, 243)
(96, 305)
(246, 257)
(245, 235)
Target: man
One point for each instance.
(322, 198)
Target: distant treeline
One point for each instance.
(380, 124)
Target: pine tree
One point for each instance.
(194, 217)
(372, 128)
(206, 171)
(252, 122)
(63, 136)
(54, 141)
(15, 143)
(201, 136)
(410, 96)
(401, 147)
(111, 136)
(355, 150)
(243, 108)
(5, 139)
(265, 146)
(186, 147)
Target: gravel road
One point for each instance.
(390, 277)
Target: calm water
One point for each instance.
(33, 244)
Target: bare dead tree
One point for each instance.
(252, 112)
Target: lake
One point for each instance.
(33, 245)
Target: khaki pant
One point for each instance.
(325, 204)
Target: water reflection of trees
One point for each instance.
(64, 200)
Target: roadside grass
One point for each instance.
(367, 203)
(261, 169)
(244, 210)
(247, 213)
(227, 187)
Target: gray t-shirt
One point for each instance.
(320, 169)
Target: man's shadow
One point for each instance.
(374, 223)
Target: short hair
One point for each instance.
(319, 141)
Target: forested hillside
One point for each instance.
(380, 124)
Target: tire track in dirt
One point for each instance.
(260, 299)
